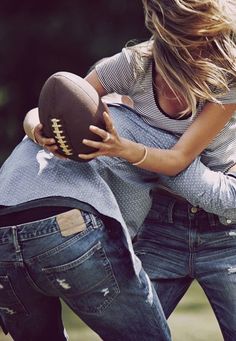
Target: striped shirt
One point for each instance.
(117, 74)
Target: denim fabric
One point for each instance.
(179, 243)
(86, 264)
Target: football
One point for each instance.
(68, 105)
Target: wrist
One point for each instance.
(141, 161)
(134, 153)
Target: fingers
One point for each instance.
(41, 139)
(106, 106)
(89, 156)
(94, 144)
(47, 143)
(52, 148)
(100, 132)
(60, 156)
(108, 121)
(110, 140)
(107, 138)
(105, 135)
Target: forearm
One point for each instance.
(213, 191)
(30, 122)
(195, 139)
(163, 161)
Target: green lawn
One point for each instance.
(193, 320)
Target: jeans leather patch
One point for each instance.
(71, 222)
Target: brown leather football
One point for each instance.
(68, 105)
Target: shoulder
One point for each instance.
(139, 53)
(133, 56)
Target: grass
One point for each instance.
(193, 320)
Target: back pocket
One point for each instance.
(87, 283)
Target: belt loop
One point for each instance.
(93, 220)
(15, 239)
(170, 210)
(16, 244)
(88, 218)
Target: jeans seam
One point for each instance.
(32, 283)
(65, 244)
(18, 300)
(170, 310)
(110, 276)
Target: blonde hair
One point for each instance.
(193, 46)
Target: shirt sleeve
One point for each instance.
(117, 73)
(215, 192)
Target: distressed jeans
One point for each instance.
(179, 243)
(85, 264)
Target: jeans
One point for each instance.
(85, 264)
(179, 243)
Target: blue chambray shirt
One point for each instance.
(111, 185)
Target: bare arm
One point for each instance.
(167, 161)
(163, 161)
(93, 79)
(199, 135)
(213, 191)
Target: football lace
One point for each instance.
(60, 138)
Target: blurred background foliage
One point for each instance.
(39, 38)
(193, 320)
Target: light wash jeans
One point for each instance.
(89, 267)
(179, 243)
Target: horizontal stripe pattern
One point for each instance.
(117, 74)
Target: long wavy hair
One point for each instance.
(193, 46)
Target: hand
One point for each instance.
(111, 145)
(45, 142)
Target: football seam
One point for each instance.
(67, 138)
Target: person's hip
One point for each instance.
(174, 223)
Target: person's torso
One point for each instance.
(118, 75)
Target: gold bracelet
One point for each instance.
(143, 158)
(32, 134)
